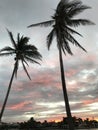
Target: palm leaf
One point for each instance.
(50, 38)
(26, 70)
(7, 48)
(12, 39)
(28, 47)
(76, 10)
(6, 54)
(33, 54)
(72, 40)
(46, 23)
(31, 60)
(18, 37)
(72, 4)
(67, 47)
(77, 22)
(60, 6)
(23, 41)
(25, 62)
(72, 31)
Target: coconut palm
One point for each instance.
(23, 52)
(63, 23)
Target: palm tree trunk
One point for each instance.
(7, 94)
(67, 107)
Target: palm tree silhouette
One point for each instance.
(23, 52)
(63, 23)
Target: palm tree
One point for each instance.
(23, 52)
(63, 23)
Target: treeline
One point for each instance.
(33, 124)
(78, 123)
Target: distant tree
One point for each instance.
(45, 123)
(32, 123)
(23, 52)
(75, 121)
(87, 122)
(65, 120)
(80, 120)
(63, 23)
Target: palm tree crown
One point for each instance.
(22, 50)
(63, 22)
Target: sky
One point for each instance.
(42, 97)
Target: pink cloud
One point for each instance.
(90, 101)
(33, 95)
(46, 78)
(20, 105)
(91, 58)
(71, 72)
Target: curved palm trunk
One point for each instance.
(67, 107)
(7, 94)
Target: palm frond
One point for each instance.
(6, 54)
(34, 55)
(72, 40)
(50, 38)
(23, 40)
(7, 51)
(26, 70)
(12, 39)
(25, 62)
(18, 37)
(67, 47)
(46, 23)
(31, 60)
(32, 52)
(77, 22)
(63, 49)
(63, 44)
(28, 47)
(72, 4)
(72, 31)
(7, 48)
(67, 5)
(60, 6)
(77, 10)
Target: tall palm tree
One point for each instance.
(63, 23)
(23, 52)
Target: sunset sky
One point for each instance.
(42, 97)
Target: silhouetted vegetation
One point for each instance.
(33, 124)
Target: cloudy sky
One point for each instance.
(42, 97)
